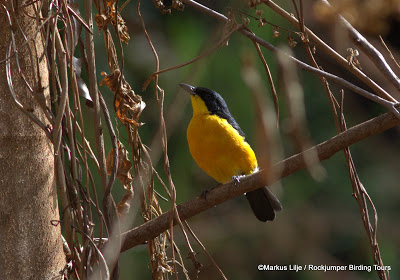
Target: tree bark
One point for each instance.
(30, 246)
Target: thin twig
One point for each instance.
(11, 87)
(16, 101)
(390, 53)
(93, 89)
(114, 143)
(205, 250)
(362, 197)
(209, 51)
(94, 93)
(105, 267)
(62, 63)
(271, 82)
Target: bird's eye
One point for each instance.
(207, 96)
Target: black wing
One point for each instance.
(231, 121)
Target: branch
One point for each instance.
(215, 196)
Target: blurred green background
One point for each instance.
(320, 223)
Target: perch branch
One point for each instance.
(215, 196)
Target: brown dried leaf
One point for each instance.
(178, 5)
(253, 3)
(102, 21)
(352, 58)
(303, 37)
(125, 204)
(261, 22)
(124, 165)
(127, 105)
(314, 49)
(123, 30)
(275, 32)
(108, 16)
(292, 42)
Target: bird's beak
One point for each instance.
(190, 89)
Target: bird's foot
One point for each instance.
(203, 194)
(236, 179)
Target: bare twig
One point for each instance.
(209, 51)
(390, 53)
(94, 94)
(101, 257)
(10, 82)
(110, 127)
(205, 251)
(109, 207)
(271, 82)
(362, 197)
(294, 94)
(62, 59)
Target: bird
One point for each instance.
(219, 147)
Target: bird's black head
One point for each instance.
(213, 101)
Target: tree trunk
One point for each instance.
(30, 246)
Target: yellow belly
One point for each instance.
(219, 149)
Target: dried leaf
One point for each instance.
(102, 21)
(261, 22)
(108, 16)
(275, 32)
(352, 58)
(177, 5)
(125, 204)
(124, 165)
(314, 49)
(123, 175)
(253, 3)
(127, 105)
(292, 42)
(166, 9)
(303, 37)
(259, 13)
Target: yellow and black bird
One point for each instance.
(220, 148)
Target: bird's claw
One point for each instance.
(236, 179)
(203, 194)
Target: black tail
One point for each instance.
(264, 204)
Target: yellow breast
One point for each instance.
(218, 148)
